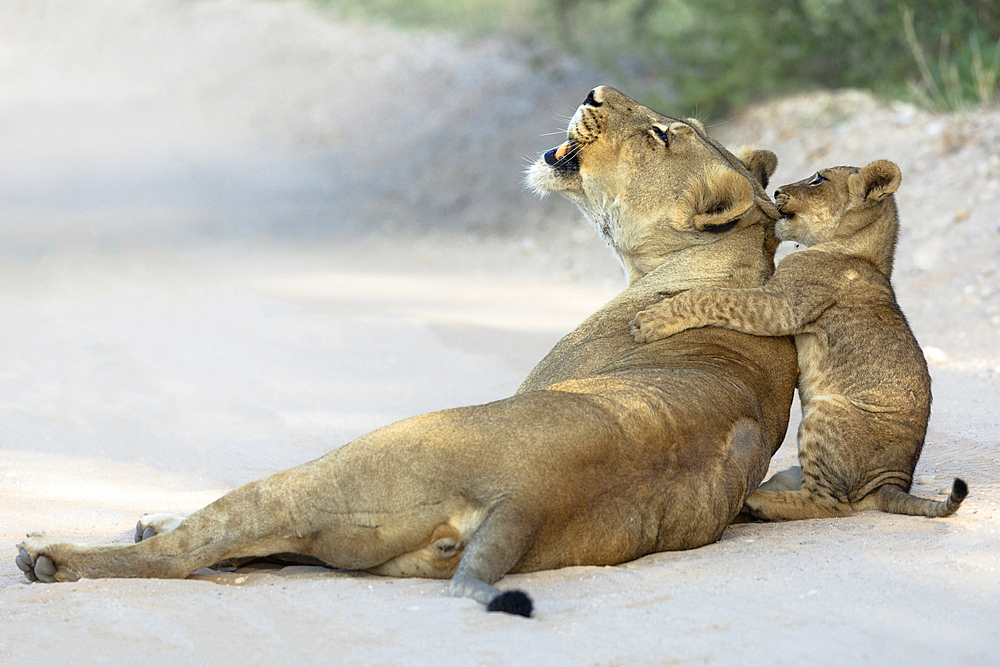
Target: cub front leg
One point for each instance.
(662, 320)
(757, 311)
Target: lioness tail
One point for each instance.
(894, 499)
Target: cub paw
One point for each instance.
(151, 525)
(648, 326)
(38, 566)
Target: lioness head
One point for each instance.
(835, 202)
(653, 185)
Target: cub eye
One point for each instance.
(661, 134)
(816, 181)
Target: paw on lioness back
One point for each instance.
(659, 323)
(863, 381)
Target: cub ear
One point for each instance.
(874, 182)
(760, 163)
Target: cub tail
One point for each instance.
(894, 499)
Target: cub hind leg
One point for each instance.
(817, 489)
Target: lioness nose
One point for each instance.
(777, 193)
(591, 100)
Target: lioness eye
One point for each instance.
(816, 181)
(721, 229)
(661, 134)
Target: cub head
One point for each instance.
(653, 185)
(835, 202)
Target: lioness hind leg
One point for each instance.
(34, 559)
(222, 530)
(151, 525)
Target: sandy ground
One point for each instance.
(237, 235)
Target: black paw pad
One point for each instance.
(512, 602)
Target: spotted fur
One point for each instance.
(863, 383)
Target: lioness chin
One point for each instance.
(863, 383)
(608, 451)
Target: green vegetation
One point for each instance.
(714, 55)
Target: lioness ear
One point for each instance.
(760, 163)
(874, 182)
(716, 202)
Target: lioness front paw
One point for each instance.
(649, 326)
(39, 566)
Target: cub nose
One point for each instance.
(592, 100)
(777, 193)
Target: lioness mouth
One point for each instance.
(562, 157)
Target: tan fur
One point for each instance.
(863, 383)
(609, 450)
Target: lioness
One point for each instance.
(863, 383)
(609, 450)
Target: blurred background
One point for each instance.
(250, 117)
(709, 57)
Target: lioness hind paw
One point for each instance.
(512, 602)
(24, 564)
(151, 525)
(143, 532)
(40, 568)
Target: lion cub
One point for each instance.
(863, 382)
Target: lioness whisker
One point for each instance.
(721, 122)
